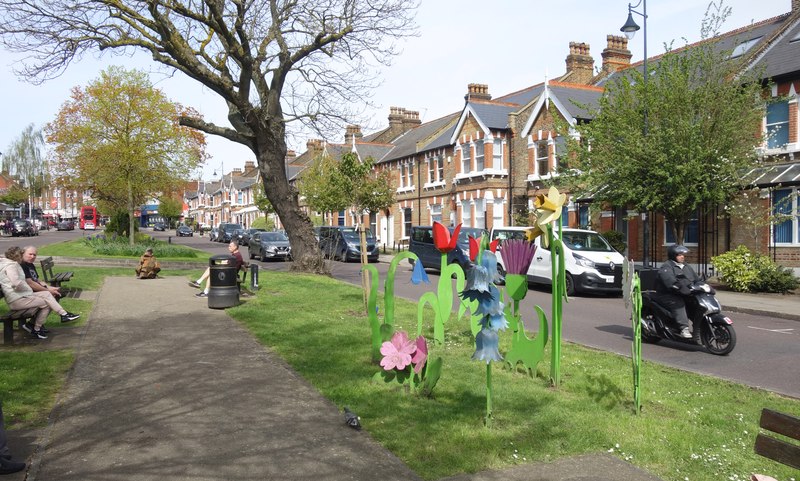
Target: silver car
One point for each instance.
(269, 245)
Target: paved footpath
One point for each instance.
(165, 389)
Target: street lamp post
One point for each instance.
(629, 29)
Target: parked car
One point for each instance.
(88, 225)
(213, 233)
(226, 231)
(23, 227)
(65, 225)
(160, 226)
(343, 244)
(247, 234)
(269, 245)
(421, 244)
(184, 231)
(592, 265)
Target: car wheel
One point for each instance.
(261, 256)
(570, 283)
(249, 254)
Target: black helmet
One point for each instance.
(676, 250)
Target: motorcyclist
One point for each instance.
(675, 281)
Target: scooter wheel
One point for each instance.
(719, 339)
(647, 313)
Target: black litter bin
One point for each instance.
(223, 290)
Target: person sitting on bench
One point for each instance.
(233, 248)
(20, 296)
(29, 254)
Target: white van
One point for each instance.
(591, 263)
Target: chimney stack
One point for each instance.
(616, 55)
(352, 133)
(580, 64)
(477, 92)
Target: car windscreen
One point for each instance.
(351, 236)
(273, 237)
(586, 241)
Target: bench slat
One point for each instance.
(778, 450)
(780, 423)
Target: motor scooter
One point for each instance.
(716, 329)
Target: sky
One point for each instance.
(506, 44)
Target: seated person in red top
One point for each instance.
(240, 265)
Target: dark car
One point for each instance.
(226, 231)
(184, 231)
(65, 225)
(247, 234)
(269, 245)
(160, 226)
(23, 227)
(421, 244)
(344, 244)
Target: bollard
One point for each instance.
(169, 240)
(253, 276)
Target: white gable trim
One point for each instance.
(544, 99)
(463, 119)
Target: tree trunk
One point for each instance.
(131, 230)
(284, 199)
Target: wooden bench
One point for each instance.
(56, 279)
(778, 449)
(8, 319)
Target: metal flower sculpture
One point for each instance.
(480, 286)
(517, 256)
(442, 301)
(390, 347)
(632, 294)
(548, 212)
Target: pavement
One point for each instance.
(169, 389)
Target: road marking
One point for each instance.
(779, 331)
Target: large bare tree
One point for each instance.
(272, 61)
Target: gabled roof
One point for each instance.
(490, 115)
(564, 97)
(768, 42)
(376, 151)
(418, 139)
(782, 56)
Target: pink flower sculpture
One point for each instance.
(420, 355)
(397, 352)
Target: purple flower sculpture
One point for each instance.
(517, 255)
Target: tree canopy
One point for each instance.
(273, 62)
(24, 159)
(120, 139)
(676, 142)
(331, 185)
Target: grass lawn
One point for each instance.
(163, 251)
(692, 427)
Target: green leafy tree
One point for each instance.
(120, 139)
(24, 160)
(675, 143)
(275, 64)
(170, 208)
(15, 196)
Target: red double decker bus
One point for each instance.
(89, 218)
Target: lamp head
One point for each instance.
(630, 28)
